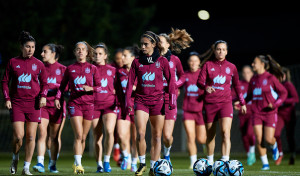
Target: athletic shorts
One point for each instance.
(25, 112)
(170, 114)
(127, 117)
(152, 110)
(269, 120)
(214, 111)
(85, 111)
(196, 116)
(53, 114)
(99, 112)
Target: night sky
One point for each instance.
(249, 28)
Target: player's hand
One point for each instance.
(129, 110)
(236, 105)
(244, 109)
(57, 104)
(270, 106)
(87, 88)
(210, 89)
(8, 104)
(43, 102)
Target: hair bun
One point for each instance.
(25, 37)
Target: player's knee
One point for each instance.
(201, 139)
(140, 136)
(226, 136)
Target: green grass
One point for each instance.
(180, 163)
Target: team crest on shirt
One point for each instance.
(87, 70)
(227, 70)
(109, 72)
(242, 87)
(57, 72)
(265, 82)
(34, 67)
(157, 64)
(171, 64)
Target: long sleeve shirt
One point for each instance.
(193, 96)
(292, 97)
(221, 75)
(265, 89)
(76, 76)
(28, 79)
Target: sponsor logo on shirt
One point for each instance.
(25, 79)
(51, 80)
(18, 66)
(219, 80)
(104, 82)
(192, 90)
(148, 77)
(73, 71)
(79, 80)
(213, 69)
(257, 92)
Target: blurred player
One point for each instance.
(192, 108)
(125, 124)
(246, 127)
(105, 113)
(149, 69)
(175, 42)
(83, 79)
(267, 94)
(287, 118)
(216, 78)
(50, 54)
(26, 95)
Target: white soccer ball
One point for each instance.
(235, 168)
(162, 167)
(202, 168)
(220, 168)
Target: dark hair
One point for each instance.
(271, 66)
(287, 73)
(57, 49)
(90, 51)
(102, 45)
(218, 42)
(154, 39)
(25, 37)
(134, 50)
(178, 40)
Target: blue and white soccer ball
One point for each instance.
(162, 167)
(202, 168)
(220, 168)
(235, 168)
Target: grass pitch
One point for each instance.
(180, 162)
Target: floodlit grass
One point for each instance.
(180, 163)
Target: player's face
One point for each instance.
(28, 49)
(47, 54)
(247, 73)
(100, 55)
(146, 46)
(221, 51)
(127, 57)
(257, 64)
(81, 52)
(164, 43)
(118, 59)
(194, 63)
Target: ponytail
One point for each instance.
(272, 66)
(134, 50)
(178, 40)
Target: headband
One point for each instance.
(149, 36)
(82, 43)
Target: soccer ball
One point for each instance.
(162, 167)
(235, 168)
(202, 168)
(220, 168)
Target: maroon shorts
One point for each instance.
(214, 111)
(100, 111)
(85, 111)
(152, 110)
(196, 116)
(128, 117)
(269, 120)
(170, 114)
(53, 114)
(25, 112)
